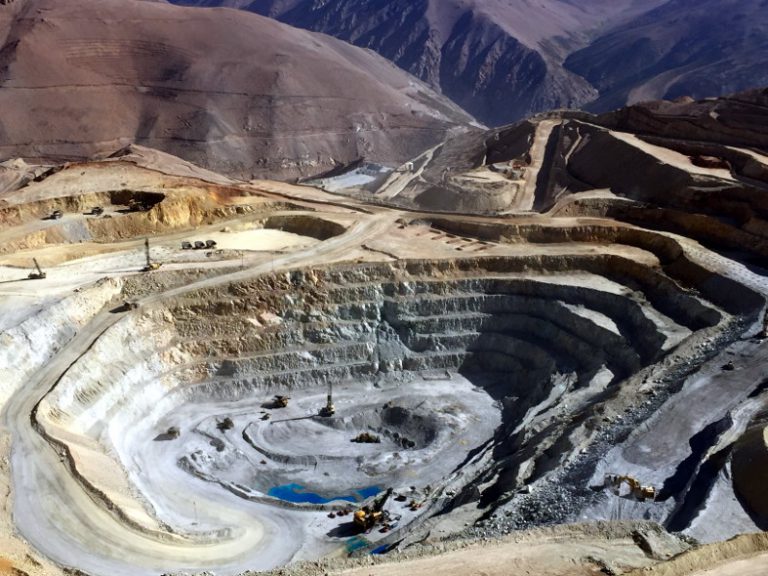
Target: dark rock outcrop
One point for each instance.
(736, 120)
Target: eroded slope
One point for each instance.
(234, 92)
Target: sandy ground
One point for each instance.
(755, 566)
(259, 240)
(541, 138)
(398, 181)
(671, 157)
(532, 559)
(553, 557)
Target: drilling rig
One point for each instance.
(36, 274)
(150, 265)
(329, 409)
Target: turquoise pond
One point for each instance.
(295, 493)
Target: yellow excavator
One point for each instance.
(637, 490)
(367, 517)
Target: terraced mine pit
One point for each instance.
(495, 372)
(471, 374)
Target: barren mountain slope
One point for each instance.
(685, 47)
(498, 59)
(502, 60)
(234, 92)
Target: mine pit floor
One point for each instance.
(426, 428)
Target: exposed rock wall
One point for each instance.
(27, 346)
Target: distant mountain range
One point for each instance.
(504, 59)
(695, 48)
(238, 93)
(248, 96)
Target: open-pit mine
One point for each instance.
(552, 332)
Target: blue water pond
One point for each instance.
(295, 493)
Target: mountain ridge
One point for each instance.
(504, 60)
(683, 48)
(237, 93)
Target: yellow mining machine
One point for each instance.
(150, 265)
(366, 438)
(367, 517)
(280, 401)
(637, 490)
(38, 273)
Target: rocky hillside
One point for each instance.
(499, 59)
(693, 48)
(502, 60)
(706, 155)
(735, 120)
(237, 93)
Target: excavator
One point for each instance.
(637, 490)
(37, 274)
(150, 265)
(367, 517)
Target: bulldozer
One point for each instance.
(150, 266)
(280, 401)
(367, 517)
(38, 273)
(366, 438)
(637, 490)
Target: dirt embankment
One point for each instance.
(668, 250)
(576, 550)
(124, 222)
(713, 559)
(737, 120)
(319, 228)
